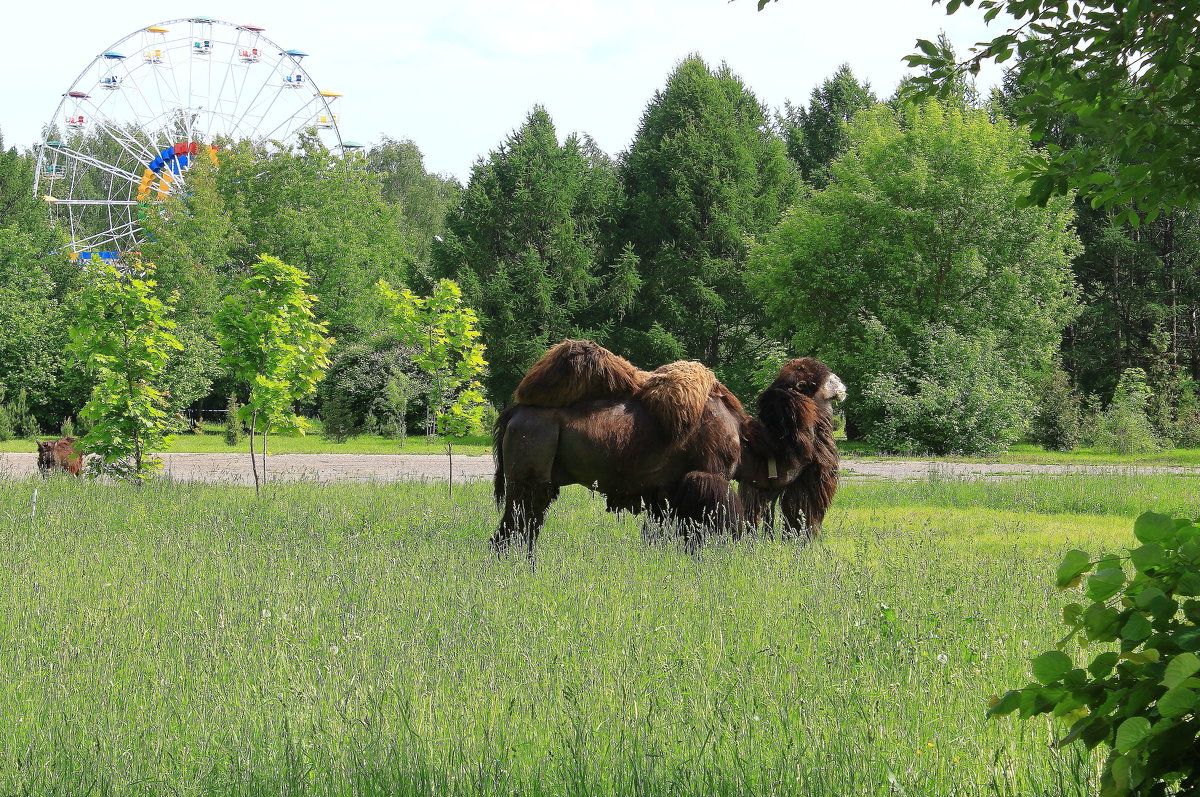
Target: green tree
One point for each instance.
(274, 345)
(919, 229)
(323, 212)
(816, 134)
(1125, 426)
(423, 199)
(1121, 75)
(704, 173)
(122, 332)
(35, 278)
(1141, 285)
(442, 332)
(526, 245)
(232, 428)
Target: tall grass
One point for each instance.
(360, 639)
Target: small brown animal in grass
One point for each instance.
(60, 453)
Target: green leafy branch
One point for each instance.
(122, 332)
(1141, 699)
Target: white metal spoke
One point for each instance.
(135, 108)
(99, 164)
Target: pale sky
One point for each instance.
(456, 78)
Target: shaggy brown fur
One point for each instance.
(677, 394)
(60, 453)
(620, 449)
(789, 455)
(575, 370)
(667, 445)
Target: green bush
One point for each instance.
(338, 422)
(16, 418)
(1187, 416)
(392, 406)
(233, 430)
(376, 378)
(1125, 426)
(1057, 422)
(1139, 694)
(955, 395)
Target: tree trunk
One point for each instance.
(266, 428)
(253, 463)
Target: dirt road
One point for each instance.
(235, 468)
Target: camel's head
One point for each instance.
(834, 389)
(811, 377)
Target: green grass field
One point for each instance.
(1030, 454)
(360, 639)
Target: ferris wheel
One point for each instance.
(125, 132)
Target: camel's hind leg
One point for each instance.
(706, 502)
(530, 444)
(524, 515)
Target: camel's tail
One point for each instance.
(498, 429)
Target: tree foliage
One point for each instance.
(920, 228)
(1140, 285)
(704, 173)
(442, 332)
(816, 134)
(34, 282)
(1121, 75)
(1139, 695)
(526, 245)
(422, 199)
(122, 332)
(273, 345)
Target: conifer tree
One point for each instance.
(525, 245)
(816, 134)
(704, 173)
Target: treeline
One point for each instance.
(886, 238)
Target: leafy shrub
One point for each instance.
(361, 375)
(16, 418)
(189, 373)
(1125, 426)
(68, 427)
(1058, 420)
(1174, 408)
(233, 430)
(1187, 416)
(393, 406)
(955, 395)
(1139, 695)
(356, 386)
(487, 419)
(338, 422)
